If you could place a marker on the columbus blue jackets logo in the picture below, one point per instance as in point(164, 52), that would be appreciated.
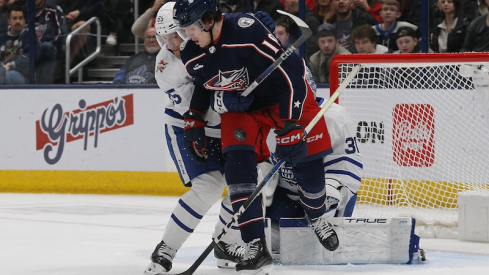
point(245, 22)
point(235, 80)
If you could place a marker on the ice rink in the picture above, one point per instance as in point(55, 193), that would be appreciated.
point(52, 234)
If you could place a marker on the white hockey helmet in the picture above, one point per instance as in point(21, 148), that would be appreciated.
point(164, 23)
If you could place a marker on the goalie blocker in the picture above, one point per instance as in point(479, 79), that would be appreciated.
point(362, 241)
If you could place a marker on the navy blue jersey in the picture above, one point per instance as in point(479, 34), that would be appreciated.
point(49, 23)
point(244, 50)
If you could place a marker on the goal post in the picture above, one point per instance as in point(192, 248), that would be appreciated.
point(422, 126)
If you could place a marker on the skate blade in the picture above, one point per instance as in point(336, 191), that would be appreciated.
point(226, 264)
point(266, 270)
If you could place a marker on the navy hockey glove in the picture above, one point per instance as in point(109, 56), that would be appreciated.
point(266, 20)
point(222, 102)
point(290, 145)
point(194, 135)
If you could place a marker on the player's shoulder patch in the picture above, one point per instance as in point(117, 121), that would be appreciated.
point(184, 43)
point(245, 22)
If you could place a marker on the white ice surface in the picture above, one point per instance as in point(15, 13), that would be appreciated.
point(52, 234)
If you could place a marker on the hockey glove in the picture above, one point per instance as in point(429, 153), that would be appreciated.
point(269, 189)
point(194, 135)
point(290, 145)
point(266, 20)
point(222, 102)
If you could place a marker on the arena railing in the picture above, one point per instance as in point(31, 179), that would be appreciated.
point(79, 67)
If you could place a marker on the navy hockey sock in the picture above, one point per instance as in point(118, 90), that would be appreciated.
point(241, 177)
point(310, 182)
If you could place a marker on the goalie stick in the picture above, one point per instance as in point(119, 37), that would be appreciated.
point(280, 163)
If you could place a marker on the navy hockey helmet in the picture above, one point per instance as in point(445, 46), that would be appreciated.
point(188, 12)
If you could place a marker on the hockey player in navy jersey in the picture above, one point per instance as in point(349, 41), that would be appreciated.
point(226, 53)
point(206, 180)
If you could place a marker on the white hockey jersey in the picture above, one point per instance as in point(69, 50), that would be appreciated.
point(173, 79)
point(344, 164)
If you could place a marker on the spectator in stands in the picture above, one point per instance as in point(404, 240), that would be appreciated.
point(407, 41)
point(449, 35)
point(78, 13)
point(145, 20)
point(329, 47)
point(13, 49)
point(3, 15)
point(477, 38)
point(312, 20)
point(268, 6)
point(49, 26)
point(412, 14)
point(140, 68)
point(346, 19)
point(386, 31)
point(365, 40)
point(324, 9)
point(371, 6)
point(286, 31)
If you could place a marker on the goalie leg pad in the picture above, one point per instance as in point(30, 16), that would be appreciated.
point(362, 241)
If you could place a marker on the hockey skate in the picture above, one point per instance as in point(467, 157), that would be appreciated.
point(325, 233)
point(228, 254)
point(161, 260)
point(257, 258)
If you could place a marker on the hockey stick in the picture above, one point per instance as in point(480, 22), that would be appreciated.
point(270, 174)
point(306, 33)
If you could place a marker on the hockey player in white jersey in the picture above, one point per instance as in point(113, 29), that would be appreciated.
point(205, 178)
point(342, 171)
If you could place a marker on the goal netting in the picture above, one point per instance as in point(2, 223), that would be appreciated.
point(422, 124)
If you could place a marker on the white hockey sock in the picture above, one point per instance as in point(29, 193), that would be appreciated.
point(206, 190)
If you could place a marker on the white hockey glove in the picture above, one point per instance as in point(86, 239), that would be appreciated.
point(269, 189)
point(334, 197)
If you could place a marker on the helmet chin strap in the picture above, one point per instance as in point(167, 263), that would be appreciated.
point(211, 45)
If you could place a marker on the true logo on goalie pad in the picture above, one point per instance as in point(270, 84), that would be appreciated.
point(353, 220)
point(413, 135)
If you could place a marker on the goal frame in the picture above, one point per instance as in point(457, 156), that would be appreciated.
point(416, 60)
point(448, 58)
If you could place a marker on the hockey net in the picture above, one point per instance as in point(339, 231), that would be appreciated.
point(422, 125)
